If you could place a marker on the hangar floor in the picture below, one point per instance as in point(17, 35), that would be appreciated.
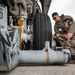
point(68, 69)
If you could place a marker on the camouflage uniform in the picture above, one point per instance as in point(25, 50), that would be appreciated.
point(58, 27)
point(70, 44)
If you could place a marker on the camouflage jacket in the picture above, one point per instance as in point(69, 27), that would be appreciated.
point(72, 30)
point(58, 27)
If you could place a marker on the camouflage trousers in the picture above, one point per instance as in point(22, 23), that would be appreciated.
point(69, 45)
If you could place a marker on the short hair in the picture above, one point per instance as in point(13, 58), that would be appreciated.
point(55, 13)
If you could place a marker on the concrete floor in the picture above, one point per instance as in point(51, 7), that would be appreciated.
point(68, 69)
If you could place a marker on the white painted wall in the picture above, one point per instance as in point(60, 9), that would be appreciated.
point(66, 7)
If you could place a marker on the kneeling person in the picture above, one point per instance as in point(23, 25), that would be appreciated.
point(69, 36)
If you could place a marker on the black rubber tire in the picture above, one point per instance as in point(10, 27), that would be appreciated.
point(42, 31)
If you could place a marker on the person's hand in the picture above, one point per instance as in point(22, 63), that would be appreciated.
point(57, 35)
point(53, 36)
